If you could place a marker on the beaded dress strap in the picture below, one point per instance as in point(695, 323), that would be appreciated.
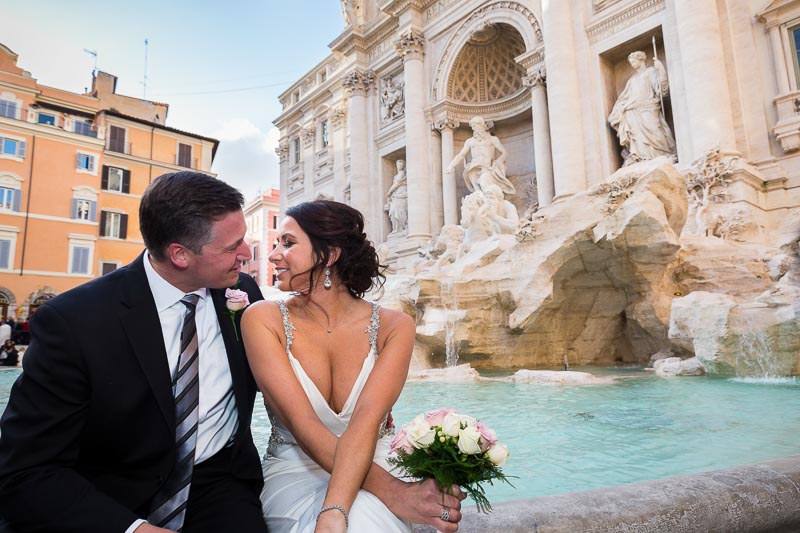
point(372, 329)
point(288, 327)
point(374, 325)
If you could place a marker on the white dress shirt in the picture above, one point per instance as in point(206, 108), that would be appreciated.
point(218, 418)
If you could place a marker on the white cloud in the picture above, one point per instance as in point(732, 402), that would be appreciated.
point(236, 129)
point(246, 157)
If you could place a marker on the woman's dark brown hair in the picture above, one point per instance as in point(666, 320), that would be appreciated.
point(331, 225)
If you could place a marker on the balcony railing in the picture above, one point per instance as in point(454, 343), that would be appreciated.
point(186, 162)
point(46, 117)
point(119, 147)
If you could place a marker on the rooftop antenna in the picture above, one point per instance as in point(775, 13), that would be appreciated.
point(144, 82)
point(92, 53)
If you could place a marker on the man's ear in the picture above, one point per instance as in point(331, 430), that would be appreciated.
point(178, 255)
point(334, 256)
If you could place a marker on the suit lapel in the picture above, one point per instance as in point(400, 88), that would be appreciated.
point(233, 346)
point(143, 329)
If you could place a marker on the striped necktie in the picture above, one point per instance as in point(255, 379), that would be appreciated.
point(169, 504)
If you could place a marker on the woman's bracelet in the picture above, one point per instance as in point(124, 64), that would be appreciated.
point(338, 508)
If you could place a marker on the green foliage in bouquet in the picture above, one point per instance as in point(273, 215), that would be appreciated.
point(436, 453)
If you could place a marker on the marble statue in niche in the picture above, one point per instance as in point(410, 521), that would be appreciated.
point(638, 114)
point(397, 200)
point(487, 164)
point(393, 102)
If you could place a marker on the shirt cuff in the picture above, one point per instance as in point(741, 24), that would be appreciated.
point(136, 524)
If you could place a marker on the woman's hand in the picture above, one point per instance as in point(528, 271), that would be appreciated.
point(423, 503)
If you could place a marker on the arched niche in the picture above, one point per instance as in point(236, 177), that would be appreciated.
point(510, 21)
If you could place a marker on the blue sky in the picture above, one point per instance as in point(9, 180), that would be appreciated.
point(219, 65)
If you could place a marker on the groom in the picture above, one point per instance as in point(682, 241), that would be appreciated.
point(109, 426)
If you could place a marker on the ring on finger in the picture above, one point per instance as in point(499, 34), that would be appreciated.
point(445, 514)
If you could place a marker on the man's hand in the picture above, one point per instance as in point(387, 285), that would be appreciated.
point(423, 503)
point(149, 528)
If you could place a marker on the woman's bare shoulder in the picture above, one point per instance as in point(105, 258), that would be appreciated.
point(392, 319)
point(266, 312)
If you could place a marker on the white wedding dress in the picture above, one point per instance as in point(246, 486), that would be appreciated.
point(294, 485)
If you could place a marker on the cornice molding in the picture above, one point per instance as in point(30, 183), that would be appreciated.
point(618, 21)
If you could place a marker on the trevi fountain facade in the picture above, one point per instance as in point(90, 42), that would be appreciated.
point(568, 182)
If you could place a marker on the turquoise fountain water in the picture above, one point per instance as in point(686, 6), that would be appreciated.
point(565, 439)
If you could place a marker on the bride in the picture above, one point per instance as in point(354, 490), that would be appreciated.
point(330, 366)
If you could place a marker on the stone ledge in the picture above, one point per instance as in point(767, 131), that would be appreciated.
point(763, 497)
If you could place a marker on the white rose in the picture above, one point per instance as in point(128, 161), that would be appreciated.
point(419, 433)
point(468, 441)
point(451, 424)
point(498, 454)
point(469, 420)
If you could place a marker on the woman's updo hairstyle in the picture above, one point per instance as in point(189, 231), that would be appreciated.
point(329, 225)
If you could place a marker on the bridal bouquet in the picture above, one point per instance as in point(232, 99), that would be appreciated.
point(452, 449)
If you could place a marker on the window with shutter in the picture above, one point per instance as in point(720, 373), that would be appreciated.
point(113, 178)
point(6, 198)
point(113, 225)
point(80, 260)
point(5, 254)
point(81, 209)
point(12, 147)
point(84, 162)
point(116, 139)
point(8, 108)
point(184, 155)
point(106, 268)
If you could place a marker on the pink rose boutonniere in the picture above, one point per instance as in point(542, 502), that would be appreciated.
point(236, 302)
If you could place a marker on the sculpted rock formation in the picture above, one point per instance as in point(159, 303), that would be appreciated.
point(604, 277)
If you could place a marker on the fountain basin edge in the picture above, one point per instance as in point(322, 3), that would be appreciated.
point(758, 498)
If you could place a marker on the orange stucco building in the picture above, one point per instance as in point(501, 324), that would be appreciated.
point(73, 168)
point(262, 215)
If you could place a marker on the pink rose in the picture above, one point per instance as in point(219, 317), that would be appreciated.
point(488, 436)
point(401, 442)
point(436, 417)
point(237, 300)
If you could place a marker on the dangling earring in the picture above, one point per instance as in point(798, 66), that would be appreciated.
point(327, 282)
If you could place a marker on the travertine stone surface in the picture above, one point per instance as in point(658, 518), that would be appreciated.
point(604, 277)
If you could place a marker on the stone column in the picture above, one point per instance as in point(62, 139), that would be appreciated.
point(434, 156)
point(307, 136)
point(706, 90)
point(779, 60)
point(336, 119)
point(564, 98)
point(410, 48)
point(358, 83)
point(282, 151)
point(449, 190)
point(545, 187)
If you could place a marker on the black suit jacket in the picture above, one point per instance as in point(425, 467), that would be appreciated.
point(88, 435)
